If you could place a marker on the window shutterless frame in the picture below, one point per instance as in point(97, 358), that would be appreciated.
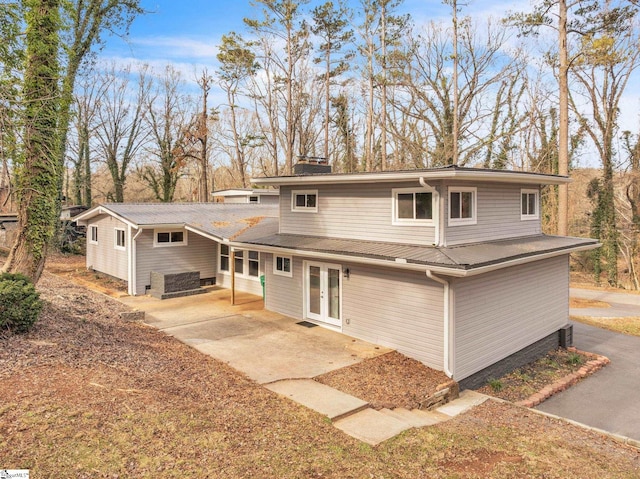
point(164, 238)
point(414, 206)
point(119, 240)
point(463, 201)
point(93, 234)
point(304, 201)
point(283, 266)
point(529, 204)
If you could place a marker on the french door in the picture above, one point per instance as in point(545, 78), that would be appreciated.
point(323, 292)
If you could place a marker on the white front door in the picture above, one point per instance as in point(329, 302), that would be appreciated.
point(323, 292)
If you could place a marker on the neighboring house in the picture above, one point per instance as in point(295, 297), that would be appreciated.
point(448, 266)
point(247, 195)
point(129, 241)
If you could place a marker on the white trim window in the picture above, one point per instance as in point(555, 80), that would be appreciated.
point(529, 204)
point(253, 264)
point(164, 238)
point(93, 234)
point(120, 241)
point(413, 206)
point(463, 205)
point(304, 200)
point(282, 266)
point(225, 254)
point(254, 199)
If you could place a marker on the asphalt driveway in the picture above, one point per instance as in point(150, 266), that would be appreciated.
point(610, 399)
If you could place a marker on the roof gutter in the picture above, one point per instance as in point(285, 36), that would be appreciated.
point(447, 322)
point(439, 232)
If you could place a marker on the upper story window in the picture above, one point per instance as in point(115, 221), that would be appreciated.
point(462, 206)
point(282, 266)
point(120, 239)
point(529, 204)
point(413, 206)
point(304, 200)
point(93, 234)
point(169, 238)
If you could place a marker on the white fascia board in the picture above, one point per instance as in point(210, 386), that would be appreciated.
point(466, 175)
point(103, 210)
point(529, 259)
point(400, 264)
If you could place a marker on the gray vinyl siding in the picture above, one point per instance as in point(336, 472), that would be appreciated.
point(397, 309)
point(104, 257)
point(498, 214)
point(284, 295)
point(262, 200)
point(359, 211)
point(499, 313)
point(199, 254)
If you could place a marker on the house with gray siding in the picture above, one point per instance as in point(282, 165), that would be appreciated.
point(262, 196)
point(448, 266)
point(130, 241)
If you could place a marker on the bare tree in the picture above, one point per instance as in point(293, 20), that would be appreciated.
point(120, 128)
point(168, 122)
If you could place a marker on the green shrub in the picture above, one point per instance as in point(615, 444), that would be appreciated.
point(574, 359)
point(20, 303)
point(496, 385)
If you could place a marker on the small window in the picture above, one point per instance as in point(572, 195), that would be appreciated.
point(462, 206)
point(254, 199)
point(304, 201)
point(170, 238)
point(239, 261)
point(93, 234)
point(529, 205)
point(282, 266)
point(120, 239)
point(254, 264)
point(413, 206)
point(224, 257)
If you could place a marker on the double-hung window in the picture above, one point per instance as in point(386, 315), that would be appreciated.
point(529, 209)
point(224, 257)
point(304, 200)
point(462, 206)
point(93, 234)
point(120, 239)
point(246, 263)
point(413, 206)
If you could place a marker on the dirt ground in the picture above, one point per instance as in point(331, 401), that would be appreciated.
point(86, 395)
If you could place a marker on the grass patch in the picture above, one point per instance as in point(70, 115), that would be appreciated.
point(531, 378)
point(629, 326)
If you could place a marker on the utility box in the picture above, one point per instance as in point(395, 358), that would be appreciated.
point(566, 336)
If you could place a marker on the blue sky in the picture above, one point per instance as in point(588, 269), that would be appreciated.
point(187, 32)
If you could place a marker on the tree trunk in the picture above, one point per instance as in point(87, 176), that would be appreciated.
point(39, 173)
point(563, 127)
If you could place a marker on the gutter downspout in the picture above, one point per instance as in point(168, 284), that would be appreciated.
point(438, 240)
point(447, 321)
point(133, 261)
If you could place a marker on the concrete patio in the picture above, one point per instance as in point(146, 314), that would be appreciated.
point(284, 355)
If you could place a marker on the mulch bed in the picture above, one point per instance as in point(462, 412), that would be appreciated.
point(388, 381)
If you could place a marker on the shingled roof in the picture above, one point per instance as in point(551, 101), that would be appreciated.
point(217, 220)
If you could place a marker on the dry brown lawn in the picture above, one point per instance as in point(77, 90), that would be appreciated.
point(86, 395)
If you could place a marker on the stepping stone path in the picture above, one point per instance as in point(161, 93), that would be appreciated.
point(354, 417)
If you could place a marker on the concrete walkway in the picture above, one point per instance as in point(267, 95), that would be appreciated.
point(609, 400)
point(284, 355)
